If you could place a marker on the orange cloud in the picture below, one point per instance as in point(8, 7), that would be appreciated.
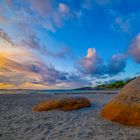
point(6, 86)
point(28, 85)
point(21, 68)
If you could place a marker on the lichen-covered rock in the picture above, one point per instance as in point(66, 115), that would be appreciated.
point(125, 107)
point(65, 104)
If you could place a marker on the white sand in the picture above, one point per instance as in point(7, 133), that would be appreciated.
point(18, 122)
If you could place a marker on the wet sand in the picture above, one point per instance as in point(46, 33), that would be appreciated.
point(18, 122)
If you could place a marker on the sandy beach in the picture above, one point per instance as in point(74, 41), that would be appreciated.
point(19, 122)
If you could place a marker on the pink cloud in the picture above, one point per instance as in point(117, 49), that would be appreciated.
point(63, 8)
point(134, 49)
point(52, 12)
point(44, 8)
point(91, 63)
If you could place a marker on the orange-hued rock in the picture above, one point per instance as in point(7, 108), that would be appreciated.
point(125, 107)
point(65, 104)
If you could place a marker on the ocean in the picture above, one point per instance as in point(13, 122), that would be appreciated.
point(22, 91)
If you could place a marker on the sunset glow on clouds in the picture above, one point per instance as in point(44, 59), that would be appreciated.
point(43, 43)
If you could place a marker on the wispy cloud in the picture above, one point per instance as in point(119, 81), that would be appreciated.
point(53, 13)
point(124, 20)
point(33, 42)
point(20, 73)
point(36, 33)
point(50, 14)
point(31, 71)
point(5, 37)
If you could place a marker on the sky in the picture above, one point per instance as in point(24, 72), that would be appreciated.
point(66, 44)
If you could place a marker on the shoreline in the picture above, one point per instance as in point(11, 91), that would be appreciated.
point(94, 92)
point(22, 92)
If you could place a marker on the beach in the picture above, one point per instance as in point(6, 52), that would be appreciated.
point(19, 122)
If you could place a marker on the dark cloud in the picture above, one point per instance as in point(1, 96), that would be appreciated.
point(117, 64)
point(4, 36)
point(53, 76)
point(37, 73)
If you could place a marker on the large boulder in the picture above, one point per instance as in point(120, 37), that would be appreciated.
point(65, 104)
point(125, 107)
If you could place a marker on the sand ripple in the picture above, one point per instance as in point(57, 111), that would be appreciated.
point(18, 122)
